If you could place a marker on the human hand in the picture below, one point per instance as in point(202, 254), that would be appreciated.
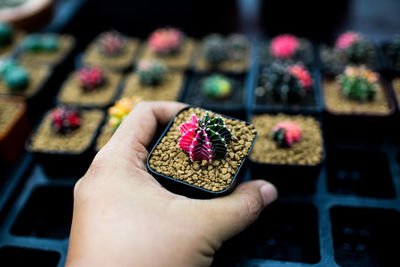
point(124, 217)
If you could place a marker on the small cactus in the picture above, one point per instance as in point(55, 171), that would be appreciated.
point(91, 78)
point(41, 43)
point(65, 120)
point(121, 109)
point(151, 72)
point(111, 43)
point(15, 77)
point(358, 83)
point(355, 48)
point(166, 41)
point(393, 52)
point(217, 87)
point(6, 34)
point(215, 49)
point(284, 46)
point(285, 82)
point(205, 139)
point(286, 133)
point(237, 45)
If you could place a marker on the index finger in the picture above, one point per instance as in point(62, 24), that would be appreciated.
point(139, 127)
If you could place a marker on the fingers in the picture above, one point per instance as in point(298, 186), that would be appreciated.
point(141, 124)
point(231, 214)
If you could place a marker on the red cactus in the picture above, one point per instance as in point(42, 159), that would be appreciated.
point(286, 133)
point(302, 74)
point(90, 78)
point(166, 41)
point(346, 39)
point(65, 120)
point(284, 46)
point(111, 43)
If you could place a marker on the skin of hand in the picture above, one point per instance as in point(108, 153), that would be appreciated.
point(123, 217)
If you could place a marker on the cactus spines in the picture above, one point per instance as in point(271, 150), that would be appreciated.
point(166, 41)
point(91, 78)
point(120, 110)
point(217, 87)
point(6, 34)
point(15, 77)
point(111, 43)
point(205, 139)
point(65, 120)
point(284, 46)
point(215, 50)
point(151, 72)
point(286, 133)
point(41, 43)
point(358, 83)
point(393, 52)
point(285, 82)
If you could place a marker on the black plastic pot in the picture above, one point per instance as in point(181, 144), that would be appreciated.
point(183, 188)
point(64, 164)
point(289, 178)
point(309, 104)
point(366, 127)
point(233, 106)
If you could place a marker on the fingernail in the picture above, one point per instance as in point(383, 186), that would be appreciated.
point(269, 193)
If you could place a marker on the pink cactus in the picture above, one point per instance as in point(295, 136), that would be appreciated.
point(286, 133)
point(284, 46)
point(90, 78)
point(166, 41)
point(346, 39)
point(111, 43)
point(302, 74)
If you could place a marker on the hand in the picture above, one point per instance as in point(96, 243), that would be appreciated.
point(124, 217)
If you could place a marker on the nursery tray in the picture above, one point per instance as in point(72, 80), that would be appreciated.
point(385, 67)
point(181, 187)
point(315, 105)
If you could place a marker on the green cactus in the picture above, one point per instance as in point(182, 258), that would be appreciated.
point(15, 77)
point(360, 52)
point(217, 87)
point(6, 34)
point(41, 43)
point(393, 52)
point(151, 72)
point(215, 49)
point(358, 83)
point(237, 45)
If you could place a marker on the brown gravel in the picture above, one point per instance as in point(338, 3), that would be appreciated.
point(46, 140)
point(105, 135)
point(168, 90)
point(38, 75)
point(180, 60)
point(308, 151)
point(16, 40)
point(94, 57)
point(336, 103)
point(229, 65)
point(67, 42)
point(72, 94)
point(396, 88)
point(168, 159)
point(9, 112)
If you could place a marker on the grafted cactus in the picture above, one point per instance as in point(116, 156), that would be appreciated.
point(215, 49)
point(91, 78)
point(205, 139)
point(285, 82)
point(166, 41)
point(111, 43)
point(286, 133)
point(354, 47)
point(358, 83)
point(65, 120)
point(120, 110)
point(284, 46)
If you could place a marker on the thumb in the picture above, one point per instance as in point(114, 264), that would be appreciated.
point(233, 213)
